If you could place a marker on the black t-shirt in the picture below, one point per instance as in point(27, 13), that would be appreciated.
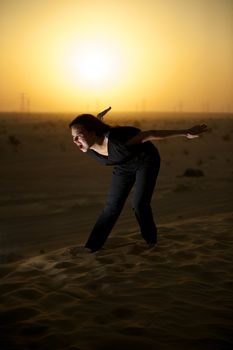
point(122, 154)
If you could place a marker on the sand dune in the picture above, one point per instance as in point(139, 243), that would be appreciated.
point(175, 296)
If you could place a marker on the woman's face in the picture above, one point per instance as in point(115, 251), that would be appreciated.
point(82, 138)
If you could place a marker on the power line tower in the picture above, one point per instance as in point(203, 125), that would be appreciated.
point(205, 107)
point(28, 105)
point(22, 102)
point(143, 105)
point(180, 106)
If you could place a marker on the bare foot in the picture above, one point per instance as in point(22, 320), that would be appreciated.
point(78, 250)
point(152, 245)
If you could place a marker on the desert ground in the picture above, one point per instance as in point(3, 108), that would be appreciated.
point(175, 296)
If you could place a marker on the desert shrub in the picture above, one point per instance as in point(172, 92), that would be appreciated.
point(193, 172)
point(186, 152)
point(62, 147)
point(13, 140)
point(226, 137)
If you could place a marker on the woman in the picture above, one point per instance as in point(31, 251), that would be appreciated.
point(136, 162)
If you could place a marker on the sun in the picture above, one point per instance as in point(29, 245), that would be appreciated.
point(95, 65)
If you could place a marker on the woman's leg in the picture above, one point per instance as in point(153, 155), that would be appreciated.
point(118, 192)
point(144, 187)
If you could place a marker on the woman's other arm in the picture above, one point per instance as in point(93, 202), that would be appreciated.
point(102, 114)
point(151, 135)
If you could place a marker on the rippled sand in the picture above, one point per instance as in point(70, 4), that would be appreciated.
point(175, 296)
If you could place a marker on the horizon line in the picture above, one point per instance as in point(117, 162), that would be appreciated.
point(118, 111)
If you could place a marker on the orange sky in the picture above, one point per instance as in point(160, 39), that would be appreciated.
point(80, 55)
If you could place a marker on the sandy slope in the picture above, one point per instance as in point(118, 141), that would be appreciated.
point(176, 296)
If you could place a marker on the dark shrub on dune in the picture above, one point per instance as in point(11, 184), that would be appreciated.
point(193, 172)
point(226, 137)
point(13, 140)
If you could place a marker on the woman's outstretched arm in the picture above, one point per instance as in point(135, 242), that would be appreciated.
point(151, 135)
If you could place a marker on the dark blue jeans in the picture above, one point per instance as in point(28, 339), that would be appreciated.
point(144, 179)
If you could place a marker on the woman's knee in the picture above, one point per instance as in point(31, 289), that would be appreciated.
point(141, 206)
point(112, 208)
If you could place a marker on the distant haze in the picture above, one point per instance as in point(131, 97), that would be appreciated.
point(78, 55)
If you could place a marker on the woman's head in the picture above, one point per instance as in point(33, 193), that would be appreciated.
point(87, 130)
point(90, 124)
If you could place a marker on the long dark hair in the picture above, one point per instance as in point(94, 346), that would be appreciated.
point(91, 123)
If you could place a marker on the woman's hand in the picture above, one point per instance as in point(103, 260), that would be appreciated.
point(195, 131)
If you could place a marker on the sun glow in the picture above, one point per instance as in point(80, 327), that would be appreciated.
point(94, 65)
point(134, 55)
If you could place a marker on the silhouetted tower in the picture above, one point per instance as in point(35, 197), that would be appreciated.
point(180, 108)
point(228, 108)
point(143, 105)
point(28, 104)
point(22, 103)
point(205, 107)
